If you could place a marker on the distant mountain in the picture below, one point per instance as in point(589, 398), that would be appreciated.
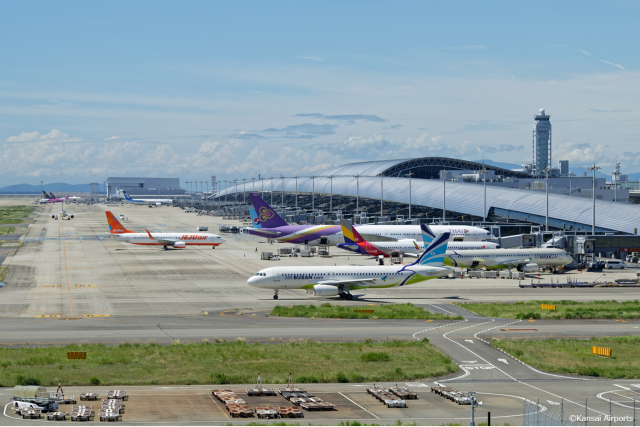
point(59, 189)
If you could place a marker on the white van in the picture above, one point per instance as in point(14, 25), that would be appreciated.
point(614, 263)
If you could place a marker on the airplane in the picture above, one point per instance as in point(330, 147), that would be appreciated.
point(150, 202)
point(526, 260)
point(274, 227)
point(254, 218)
point(327, 281)
point(45, 197)
point(174, 240)
point(58, 200)
point(354, 242)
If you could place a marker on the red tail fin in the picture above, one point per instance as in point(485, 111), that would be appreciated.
point(356, 236)
point(114, 225)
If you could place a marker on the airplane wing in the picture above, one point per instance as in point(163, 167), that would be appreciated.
point(509, 262)
point(269, 232)
point(347, 282)
point(164, 241)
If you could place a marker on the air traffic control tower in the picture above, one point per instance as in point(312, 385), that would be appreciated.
point(541, 143)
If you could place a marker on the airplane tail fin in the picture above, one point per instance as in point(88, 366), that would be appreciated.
point(114, 225)
point(267, 216)
point(427, 234)
point(52, 196)
point(254, 218)
point(435, 253)
point(45, 195)
point(126, 196)
point(347, 231)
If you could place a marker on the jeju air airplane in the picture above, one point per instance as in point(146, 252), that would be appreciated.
point(274, 227)
point(174, 240)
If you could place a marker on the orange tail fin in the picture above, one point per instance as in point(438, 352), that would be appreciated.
point(114, 225)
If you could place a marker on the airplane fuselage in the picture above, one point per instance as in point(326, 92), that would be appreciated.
point(410, 246)
point(504, 257)
point(194, 239)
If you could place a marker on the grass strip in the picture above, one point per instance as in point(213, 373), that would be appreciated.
point(572, 356)
point(392, 311)
point(564, 309)
point(7, 230)
point(226, 363)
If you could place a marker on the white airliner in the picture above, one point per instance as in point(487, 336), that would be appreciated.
point(174, 240)
point(354, 242)
point(527, 260)
point(333, 280)
point(150, 202)
point(401, 232)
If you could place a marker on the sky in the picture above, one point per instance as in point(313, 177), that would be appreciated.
point(192, 89)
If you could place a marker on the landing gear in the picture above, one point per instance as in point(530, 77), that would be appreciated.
point(213, 247)
point(275, 294)
point(345, 295)
point(165, 247)
point(349, 297)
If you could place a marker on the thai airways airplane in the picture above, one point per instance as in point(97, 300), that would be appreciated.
point(354, 242)
point(175, 240)
point(274, 227)
point(150, 202)
point(327, 281)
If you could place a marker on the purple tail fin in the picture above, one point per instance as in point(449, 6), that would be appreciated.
point(267, 216)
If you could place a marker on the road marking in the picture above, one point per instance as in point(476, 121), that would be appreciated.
point(359, 406)
point(503, 361)
point(66, 268)
point(469, 341)
point(51, 286)
point(621, 386)
point(84, 286)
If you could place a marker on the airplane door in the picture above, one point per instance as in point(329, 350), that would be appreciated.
point(276, 275)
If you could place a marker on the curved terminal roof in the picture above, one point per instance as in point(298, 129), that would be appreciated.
point(423, 167)
point(464, 198)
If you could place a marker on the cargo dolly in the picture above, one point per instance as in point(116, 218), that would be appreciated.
point(266, 412)
point(384, 395)
point(453, 395)
point(57, 416)
point(67, 400)
point(89, 396)
point(290, 412)
point(113, 405)
point(31, 413)
point(109, 415)
point(82, 413)
point(117, 394)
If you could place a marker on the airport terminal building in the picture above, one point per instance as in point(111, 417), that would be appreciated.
point(139, 187)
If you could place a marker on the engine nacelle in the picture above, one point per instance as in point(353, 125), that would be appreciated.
point(72, 216)
point(325, 291)
point(529, 268)
point(53, 216)
point(179, 245)
point(158, 204)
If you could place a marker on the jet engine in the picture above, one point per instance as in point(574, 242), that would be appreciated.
point(71, 216)
point(325, 291)
point(53, 216)
point(529, 268)
point(179, 245)
point(158, 204)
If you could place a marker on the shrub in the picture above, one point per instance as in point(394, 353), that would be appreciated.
point(341, 377)
point(94, 381)
point(24, 380)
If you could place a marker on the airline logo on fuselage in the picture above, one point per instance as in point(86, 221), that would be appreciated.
point(193, 237)
point(265, 213)
point(459, 231)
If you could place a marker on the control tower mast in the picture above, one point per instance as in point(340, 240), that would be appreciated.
point(541, 142)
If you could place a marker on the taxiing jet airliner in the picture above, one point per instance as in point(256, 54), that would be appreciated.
point(333, 280)
point(175, 240)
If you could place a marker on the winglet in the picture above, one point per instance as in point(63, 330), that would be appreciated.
point(150, 236)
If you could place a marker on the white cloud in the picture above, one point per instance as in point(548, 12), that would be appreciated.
point(613, 64)
point(24, 137)
point(112, 138)
point(586, 53)
point(58, 136)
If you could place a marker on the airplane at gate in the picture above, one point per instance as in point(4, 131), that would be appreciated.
point(174, 240)
point(339, 281)
point(150, 202)
point(274, 227)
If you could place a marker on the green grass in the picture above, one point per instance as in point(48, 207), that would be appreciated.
point(572, 356)
point(226, 363)
point(564, 310)
point(6, 230)
point(393, 311)
point(14, 214)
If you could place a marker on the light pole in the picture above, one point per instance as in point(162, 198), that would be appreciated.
point(296, 194)
point(244, 188)
point(313, 192)
point(282, 191)
point(331, 194)
point(235, 190)
point(594, 168)
point(169, 189)
point(159, 184)
point(484, 181)
point(381, 192)
point(357, 193)
point(253, 184)
point(271, 179)
point(41, 192)
point(546, 221)
point(410, 174)
point(444, 195)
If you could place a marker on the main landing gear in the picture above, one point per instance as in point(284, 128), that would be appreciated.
point(275, 294)
point(346, 295)
point(165, 247)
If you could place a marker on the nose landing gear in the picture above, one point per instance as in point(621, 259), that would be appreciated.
point(275, 294)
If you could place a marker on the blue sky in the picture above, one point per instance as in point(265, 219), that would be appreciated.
point(237, 89)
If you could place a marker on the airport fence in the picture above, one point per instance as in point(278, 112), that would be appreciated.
point(534, 414)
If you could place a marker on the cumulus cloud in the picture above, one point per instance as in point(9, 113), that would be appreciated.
point(24, 137)
point(112, 138)
point(612, 64)
point(58, 136)
point(500, 148)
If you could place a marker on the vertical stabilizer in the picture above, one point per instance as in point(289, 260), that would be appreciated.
point(435, 253)
point(427, 234)
point(254, 218)
point(266, 215)
point(114, 225)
